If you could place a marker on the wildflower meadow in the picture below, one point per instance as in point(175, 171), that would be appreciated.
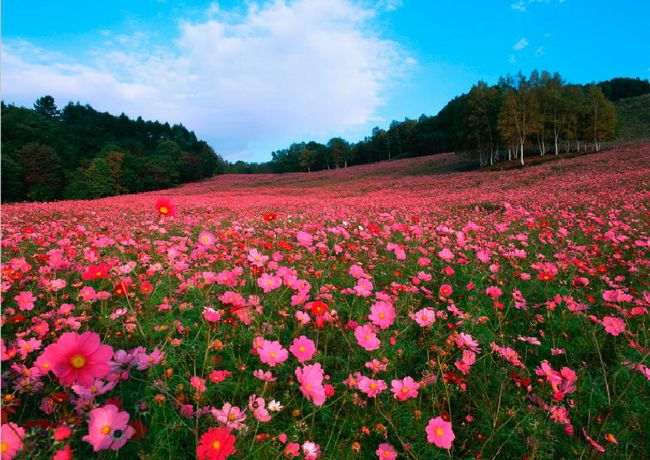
point(378, 312)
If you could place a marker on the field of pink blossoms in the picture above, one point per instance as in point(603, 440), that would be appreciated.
point(384, 311)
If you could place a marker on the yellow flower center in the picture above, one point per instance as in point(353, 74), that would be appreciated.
point(301, 348)
point(439, 432)
point(373, 386)
point(367, 337)
point(308, 387)
point(272, 355)
point(78, 361)
point(4, 446)
point(163, 210)
point(105, 430)
point(381, 316)
point(405, 390)
point(216, 445)
point(232, 417)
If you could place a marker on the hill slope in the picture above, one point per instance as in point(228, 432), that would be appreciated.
point(634, 117)
point(412, 185)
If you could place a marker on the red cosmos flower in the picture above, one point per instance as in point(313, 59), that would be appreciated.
point(121, 289)
point(270, 217)
point(284, 245)
point(165, 207)
point(146, 287)
point(216, 444)
point(318, 308)
point(94, 272)
point(545, 276)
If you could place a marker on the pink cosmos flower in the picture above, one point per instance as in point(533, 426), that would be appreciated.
point(370, 386)
point(425, 317)
point(464, 364)
point(613, 325)
point(257, 406)
point(211, 315)
point(25, 300)
point(303, 348)
point(272, 353)
point(494, 292)
point(439, 432)
point(446, 255)
point(376, 366)
point(232, 416)
point(11, 440)
point(311, 450)
point(310, 378)
point(466, 341)
point(382, 314)
point(405, 388)
point(25, 347)
point(108, 428)
point(366, 338)
point(364, 287)
point(256, 258)
point(292, 449)
point(386, 452)
point(305, 238)
point(88, 294)
point(145, 361)
point(357, 271)
point(207, 239)
point(78, 358)
point(198, 383)
point(268, 283)
point(265, 376)
point(530, 340)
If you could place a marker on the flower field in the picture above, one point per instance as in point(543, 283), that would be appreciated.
point(384, 311)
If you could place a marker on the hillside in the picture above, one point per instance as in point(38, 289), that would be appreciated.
point(408, 185)
point(633, 117)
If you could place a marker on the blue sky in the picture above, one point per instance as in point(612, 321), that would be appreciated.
point(251, 77)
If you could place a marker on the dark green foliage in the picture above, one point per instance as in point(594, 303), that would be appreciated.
point(620, 88)
point(80, 153)
point(634, 117)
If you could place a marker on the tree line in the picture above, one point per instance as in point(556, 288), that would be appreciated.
point(80, 153)
point(520, 115)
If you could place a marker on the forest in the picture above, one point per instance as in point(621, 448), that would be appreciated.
point(80, 153)
point(522, 115)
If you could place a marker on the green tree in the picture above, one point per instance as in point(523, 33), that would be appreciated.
point(99, 178)
point(42, 172)
point(340, 151)
point(601, 115)
point(307, 159)
point(45, 106)
point(12, 179)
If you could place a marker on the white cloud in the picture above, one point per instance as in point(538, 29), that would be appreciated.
point(518, 6)
point(512, 59)
point(389, 5)
point(521, 5)
point(540, 51)
point(520, 45)
point(245, 82)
